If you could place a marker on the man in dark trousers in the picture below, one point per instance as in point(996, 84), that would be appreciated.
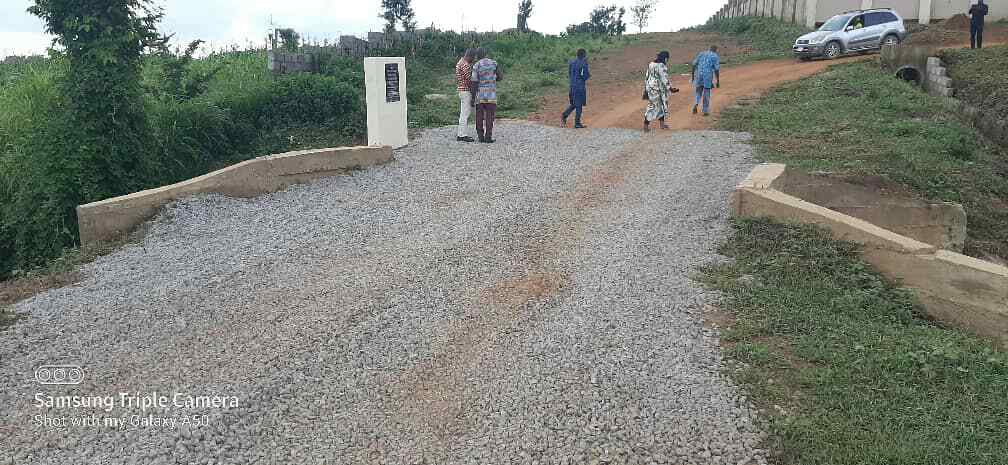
point(578, 71)
point(978, 12)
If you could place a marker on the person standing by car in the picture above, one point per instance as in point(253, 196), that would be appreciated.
point(579, 75)
point(977, 12)
point(463, 74)
point(706, 76)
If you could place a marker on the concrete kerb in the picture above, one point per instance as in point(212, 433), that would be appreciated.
point(112, 219)
point(955, 289)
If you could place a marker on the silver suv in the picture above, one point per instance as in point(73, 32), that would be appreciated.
point(854, 31)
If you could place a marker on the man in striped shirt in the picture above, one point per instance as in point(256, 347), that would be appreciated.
point(463, 75)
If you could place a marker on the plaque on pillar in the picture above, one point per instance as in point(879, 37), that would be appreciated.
point(385, 89)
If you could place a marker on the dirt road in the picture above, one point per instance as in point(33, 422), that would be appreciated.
point(614, 93)
point(528, 301)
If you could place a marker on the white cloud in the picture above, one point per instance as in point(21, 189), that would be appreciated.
point(226, 22)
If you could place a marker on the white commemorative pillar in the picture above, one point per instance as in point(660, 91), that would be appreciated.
point(385, 83)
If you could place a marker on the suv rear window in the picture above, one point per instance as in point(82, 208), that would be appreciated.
point(879, 17)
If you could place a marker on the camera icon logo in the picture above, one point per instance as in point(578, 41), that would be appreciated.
point(59, 374)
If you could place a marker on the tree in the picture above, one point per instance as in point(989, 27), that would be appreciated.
point(398, 11)
point(524, 12)
point(618, 26)
point(103, 43)
point(604, 20)
point(601, 19)
point(98, 144)
point(642, 13)
point(290, 40)
point(583, 28)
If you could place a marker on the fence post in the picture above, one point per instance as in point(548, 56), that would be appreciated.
point(924, 12)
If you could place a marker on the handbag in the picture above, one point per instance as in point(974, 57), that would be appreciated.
point(644, 96)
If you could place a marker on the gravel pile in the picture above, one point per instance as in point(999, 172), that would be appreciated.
point(523, 302)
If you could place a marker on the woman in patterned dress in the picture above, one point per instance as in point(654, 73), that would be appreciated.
point(657, 89)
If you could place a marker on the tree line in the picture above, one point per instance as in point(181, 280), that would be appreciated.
point(603, 20)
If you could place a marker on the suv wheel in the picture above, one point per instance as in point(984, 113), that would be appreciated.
point(832, 50)
point(890, 39)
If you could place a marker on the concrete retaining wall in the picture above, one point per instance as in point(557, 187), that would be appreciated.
point(936, 79)
point(114, 218)
point(955, 289)
point(989, 123)
point(942, 225)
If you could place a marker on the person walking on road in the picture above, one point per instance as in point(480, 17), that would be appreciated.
point(706, 75)
point(463, 78)
point(577, 69)
point(656, 91)
point(486, 74)
point(977, 12)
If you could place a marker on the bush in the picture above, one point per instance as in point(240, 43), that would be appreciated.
point(980, 77)
point(768, 37)
point(203, 114)
point(200, 115)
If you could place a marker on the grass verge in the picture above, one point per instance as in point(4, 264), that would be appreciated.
point(980, 77)
point(856, 374)
point(59, 272)
point(856, 120)
point(765, 37)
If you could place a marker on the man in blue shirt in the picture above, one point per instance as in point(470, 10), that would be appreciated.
point(706, 75)
point(577, 69)
point(977, 12)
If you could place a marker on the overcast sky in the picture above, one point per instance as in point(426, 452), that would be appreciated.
point(226, 22)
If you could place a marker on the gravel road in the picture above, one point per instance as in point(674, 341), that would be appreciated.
point(517, 303)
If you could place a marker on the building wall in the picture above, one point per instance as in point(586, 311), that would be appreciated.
point(943, 9)
point(829, 8)
point(797, 10)
point(906, 8)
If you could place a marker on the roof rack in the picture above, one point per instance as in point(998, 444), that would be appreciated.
point(867, 10)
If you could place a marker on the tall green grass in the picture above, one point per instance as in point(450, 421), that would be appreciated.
point(768, 37)
point(238, 111)
point(980, 76)
point(244, 112)
point(533, 65)
point(858, 120)
point(858, 374)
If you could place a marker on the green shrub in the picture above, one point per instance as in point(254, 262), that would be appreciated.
point(768, 37)
point(980, 77)
point(203, 114)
